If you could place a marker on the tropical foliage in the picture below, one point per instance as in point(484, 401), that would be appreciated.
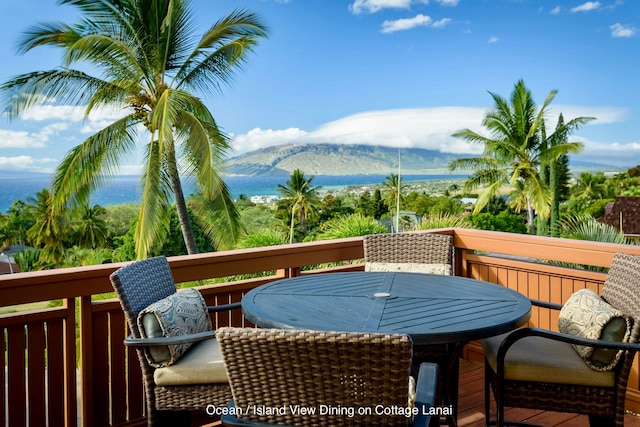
point(515, 150)
point(300, 199)
point(145, 63)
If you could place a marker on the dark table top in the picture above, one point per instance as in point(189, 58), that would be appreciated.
point(432, 309)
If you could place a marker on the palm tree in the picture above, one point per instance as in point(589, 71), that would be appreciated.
point(149, 66)
point(513, 152)
point(50, 227)
point(591, 186)
point(91, 229)
point(301, 198)
point(392, 195)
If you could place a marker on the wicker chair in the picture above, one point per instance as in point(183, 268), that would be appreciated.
point(169, 397)
point(418, 252)
point(345, 378)
point(539, 369)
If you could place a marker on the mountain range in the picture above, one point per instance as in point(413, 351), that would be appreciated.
point(338, 159)
point(360, 159)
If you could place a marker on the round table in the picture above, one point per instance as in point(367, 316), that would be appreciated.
point(432, 309)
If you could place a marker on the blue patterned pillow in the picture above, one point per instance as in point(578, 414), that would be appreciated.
point(178, 314)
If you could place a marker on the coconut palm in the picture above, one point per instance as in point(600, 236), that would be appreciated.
point(50, 227)
point(148, 65)
point(392, 194)
point(513, 152)
point(91, 228)
point(301, 197)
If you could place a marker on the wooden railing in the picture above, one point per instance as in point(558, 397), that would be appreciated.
point(67, 365)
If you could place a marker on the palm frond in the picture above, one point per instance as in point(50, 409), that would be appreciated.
point(155, 196)
point(86, 166)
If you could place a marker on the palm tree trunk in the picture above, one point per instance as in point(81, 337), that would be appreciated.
point(181, 205)
point(555, 202)
point(530, 217)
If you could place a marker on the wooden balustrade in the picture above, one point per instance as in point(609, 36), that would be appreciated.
point(67, 365)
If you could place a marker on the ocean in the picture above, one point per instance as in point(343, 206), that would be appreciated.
point(124, 189)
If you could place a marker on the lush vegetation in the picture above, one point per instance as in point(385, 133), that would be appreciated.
point(96, 234)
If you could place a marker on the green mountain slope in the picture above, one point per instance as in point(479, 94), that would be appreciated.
point(337, 159)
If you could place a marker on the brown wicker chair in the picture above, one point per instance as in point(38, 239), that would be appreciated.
point(335, 374)
point(539, 369)
point(169, 401)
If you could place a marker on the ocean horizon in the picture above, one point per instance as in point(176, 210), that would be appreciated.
point(125, 188)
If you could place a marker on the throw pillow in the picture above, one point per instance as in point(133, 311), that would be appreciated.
point(587, 315)
point(178, 314)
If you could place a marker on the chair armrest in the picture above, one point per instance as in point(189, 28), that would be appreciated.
point(545, 304)
point(426, 387)
point(518, 334)
point(224, 307)
point(149, 342)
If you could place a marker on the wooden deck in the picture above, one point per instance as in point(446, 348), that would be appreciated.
point(471, 405)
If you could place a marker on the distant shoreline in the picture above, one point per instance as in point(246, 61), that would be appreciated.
point(124, 188)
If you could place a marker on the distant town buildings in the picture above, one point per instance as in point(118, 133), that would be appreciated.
point(264, 200)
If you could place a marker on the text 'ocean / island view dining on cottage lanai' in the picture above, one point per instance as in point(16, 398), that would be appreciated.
point(336, 169)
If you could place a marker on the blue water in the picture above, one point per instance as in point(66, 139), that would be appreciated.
point(123, 189)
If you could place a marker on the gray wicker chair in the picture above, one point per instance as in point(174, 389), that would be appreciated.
point(345, 372)
point(524, 369)
point(168, 402)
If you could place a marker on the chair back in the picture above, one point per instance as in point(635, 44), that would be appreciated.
point(622, 285)
point(409, 248)
point(343, 377)
point(140, 284)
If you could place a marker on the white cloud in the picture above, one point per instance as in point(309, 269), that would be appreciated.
point(261, 138)
point(26, 163)
point(603, 115)
point(618, 30)
point(42, 112)
point(448, 2)
point(429, 128)
point(419, 20)
point(587, 7)
point(97, 120)
point(19, 139)
point(556, 10)
point(373, 6)
point(617, 154)
point(493, 39)
point(24, 139)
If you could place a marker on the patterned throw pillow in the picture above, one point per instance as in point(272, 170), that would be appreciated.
point(409, 267)
point(587, 315)
point(178, 314)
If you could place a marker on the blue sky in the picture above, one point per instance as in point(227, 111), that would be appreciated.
point(402, 73)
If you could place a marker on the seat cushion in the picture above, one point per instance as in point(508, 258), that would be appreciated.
point(181, 313)
point(541, 359)
point(586, 315)
point(202, 364)
point(409, 267)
